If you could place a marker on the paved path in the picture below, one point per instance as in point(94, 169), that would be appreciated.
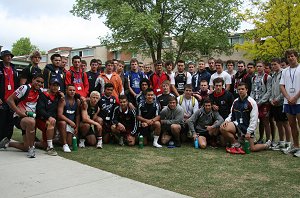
point(55, 177)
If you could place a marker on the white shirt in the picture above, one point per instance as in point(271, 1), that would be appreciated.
point(187, 105)
point(290, 78)
point(172, 78)
point(224, 75)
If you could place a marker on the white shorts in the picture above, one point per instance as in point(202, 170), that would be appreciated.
point(69, 129)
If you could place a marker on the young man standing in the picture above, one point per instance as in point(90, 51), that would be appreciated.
point(144, 85)
point(163, 98)
point(169, 65)
point(220, 74)
point(230, 68)
point(89, 115)
point(276, 100)
point(211, 69)
point(290, 88)
point(192, 68)
point(202, 74)
point(68, 114)
point(64, 64)
point(242, 122)
point(158, 77)
point(124, 122)
point(182, 78)
point(148, 115)
point(32, 69)
point(205, 123)
point(9, 82)
point(78, 77)
point(248, 77)
point(171, 122)
point(237, 78)
point(22, 101)
point(92, 75)
point(202, 93)
point(148, 70)
point(261, 91)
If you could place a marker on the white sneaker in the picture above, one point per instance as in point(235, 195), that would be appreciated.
point(81, 143)
point(99, 144)
point(66, 148)
point(31, 152)
point(155, 144)
point(268, 144)
point(297, 154)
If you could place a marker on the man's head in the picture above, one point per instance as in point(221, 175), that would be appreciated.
point(83, 65)
point(94, 97)
point(54, 85)
point(211, 64)
point(147, 68)
point(268, 68)
point(141, 67)
point(94, 65)
point(149, 95)
point(275, 63)
point(260, 67)
point(172, 102)
point(284, 63)
point(180, 66)
point(201, 65)
point(56, 60)
point(169, 65)
point(251, 68)
point(120, 66)
point(35, 57)
point(242, 89)
point(203, 85)
point(207, 104)
point(144, 84)
point(115, 63)
point(218, 84)
point(108, 89)
point(134, 64)
point(99, 64)
point(70, 90)
point(6, 56)
point(188, 91)
point(192, 67)
point(241, 66)
point(230, 65)
point(219, 66)
point(37, 81)
point(76, 61)
point(64, 62)
point(109, 66)
point(166, 87)
point(123, 102)
point(158, 66)
point(291, 55)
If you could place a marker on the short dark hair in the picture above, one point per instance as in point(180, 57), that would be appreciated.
point(188, 86)
point(108, 85)
point(70, 85)
point(123, 97)
point(283, 60)
point(76, 57)
point(243, 84)
point(108, 62)
point(134, 60)
point(169, 62)
point(289, 52)
point(93, 61)
point(158, 62)
point(251, 64)
point(230, 61)
point(207, 100)
point(83, 61)
point(218, 80)
point(180, 61)
point(148, 90)
point(144, 80)
point(54, 56)
point(242, 62)
point(172, 98)
point(38, 75)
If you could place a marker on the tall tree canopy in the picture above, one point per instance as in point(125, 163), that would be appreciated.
point(23, 46)
point(276, 29)
point(149, 26)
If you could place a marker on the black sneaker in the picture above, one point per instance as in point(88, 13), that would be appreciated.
point(4, 143)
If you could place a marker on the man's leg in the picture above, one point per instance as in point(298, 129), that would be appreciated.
point(98, 132)
point(157, 129)
point(202, 141)
point(229, 132)
point(175, 130)
point(258, 147)
point(266, 123)
point(84, 129)
point(50, 135)
point(294, 129)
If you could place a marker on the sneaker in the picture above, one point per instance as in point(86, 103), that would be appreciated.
point(121, 141)
point(81, 143)
point(4, 143)
point(240, 151)
point(31, 152)
point(287, 150)
point(268, 144)
point(189, 134)
point(156, 145)
point(273, 144)
point(99, 144)
point(260, 141)
point(297, 154)
point(66, 148)
point(51, 151)
point(278, 146)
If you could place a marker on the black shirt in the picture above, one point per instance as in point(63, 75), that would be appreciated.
point(148, 111)
point(29, 72)
point(107, 106)
point(163, 99)
point(92, 79)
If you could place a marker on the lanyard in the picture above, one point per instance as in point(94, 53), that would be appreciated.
point(293, 78)
point(8, 74)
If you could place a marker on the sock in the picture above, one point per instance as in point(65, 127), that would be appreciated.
point(82, 140)
point(155, 139)
point(288, 144)
point(49, 143)
point(99, 138)
point(237, 145)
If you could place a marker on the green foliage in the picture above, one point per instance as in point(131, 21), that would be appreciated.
point(145, 26)
point(276, 28)
point(23, 46)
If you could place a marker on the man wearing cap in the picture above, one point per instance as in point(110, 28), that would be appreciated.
point(9, 82)
point(32, 69)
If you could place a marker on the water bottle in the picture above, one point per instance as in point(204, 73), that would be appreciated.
point(141, 141)
point(30, 114)
point(247, 147)
point(74, 143)
point(196, 143)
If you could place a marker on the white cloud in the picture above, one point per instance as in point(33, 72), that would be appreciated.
point(48, 24)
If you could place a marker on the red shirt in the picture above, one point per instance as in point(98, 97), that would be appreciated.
point(9, 82)
point(80, 82)
point(28, 103)
point(156, 81)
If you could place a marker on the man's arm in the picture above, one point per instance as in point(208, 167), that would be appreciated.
point(11, 101)
point(60, 113)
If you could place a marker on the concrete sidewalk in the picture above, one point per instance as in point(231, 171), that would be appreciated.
point(48, 176)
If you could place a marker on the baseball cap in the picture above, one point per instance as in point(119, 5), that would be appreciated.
point(6, 52)
point(54, 81)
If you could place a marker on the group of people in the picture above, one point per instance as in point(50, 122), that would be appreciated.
point(208, 104)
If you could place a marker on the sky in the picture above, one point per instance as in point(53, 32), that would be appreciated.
point(49, 24)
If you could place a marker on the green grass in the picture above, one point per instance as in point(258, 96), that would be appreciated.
point(198, 173)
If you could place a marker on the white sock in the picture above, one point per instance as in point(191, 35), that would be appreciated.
point(82, 140)
point(155, 139)
point(49, 142)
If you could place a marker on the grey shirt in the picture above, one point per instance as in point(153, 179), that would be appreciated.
point(172, 116)
point(275, 88)
point(261, 90)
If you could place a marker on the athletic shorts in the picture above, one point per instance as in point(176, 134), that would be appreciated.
point(291, 109)
point(264, 110)
point(241, 133)
point(17, 123)
point(106, 128)
point(204, 134)
point(278, 114)
point(41, 125)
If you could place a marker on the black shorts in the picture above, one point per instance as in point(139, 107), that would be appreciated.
point(204, 134)
point(17, 123)
point(278, 114)
point(241, 133)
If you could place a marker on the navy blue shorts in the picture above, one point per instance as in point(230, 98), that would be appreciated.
point(291, 109)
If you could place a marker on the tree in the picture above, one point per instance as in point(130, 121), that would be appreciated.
point(276, 29)
point(23, 46)
point(184, 27)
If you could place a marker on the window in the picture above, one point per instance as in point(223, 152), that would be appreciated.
point(87, 52)
point(117, 55)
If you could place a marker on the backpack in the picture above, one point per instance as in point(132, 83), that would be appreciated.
point(181, 100)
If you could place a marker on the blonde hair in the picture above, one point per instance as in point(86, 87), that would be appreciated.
point(35, 54)
point(95, 93)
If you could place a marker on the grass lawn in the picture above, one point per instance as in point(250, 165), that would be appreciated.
point(198, 173)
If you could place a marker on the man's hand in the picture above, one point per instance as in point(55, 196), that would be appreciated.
point(247, 136)
point(120, 127)
point(209, 128)
point(72, 124)
point(195, 136)
point(215, 107)
point(52, 121)
point(144, 124)
point(1, 102)
point(292, 100)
